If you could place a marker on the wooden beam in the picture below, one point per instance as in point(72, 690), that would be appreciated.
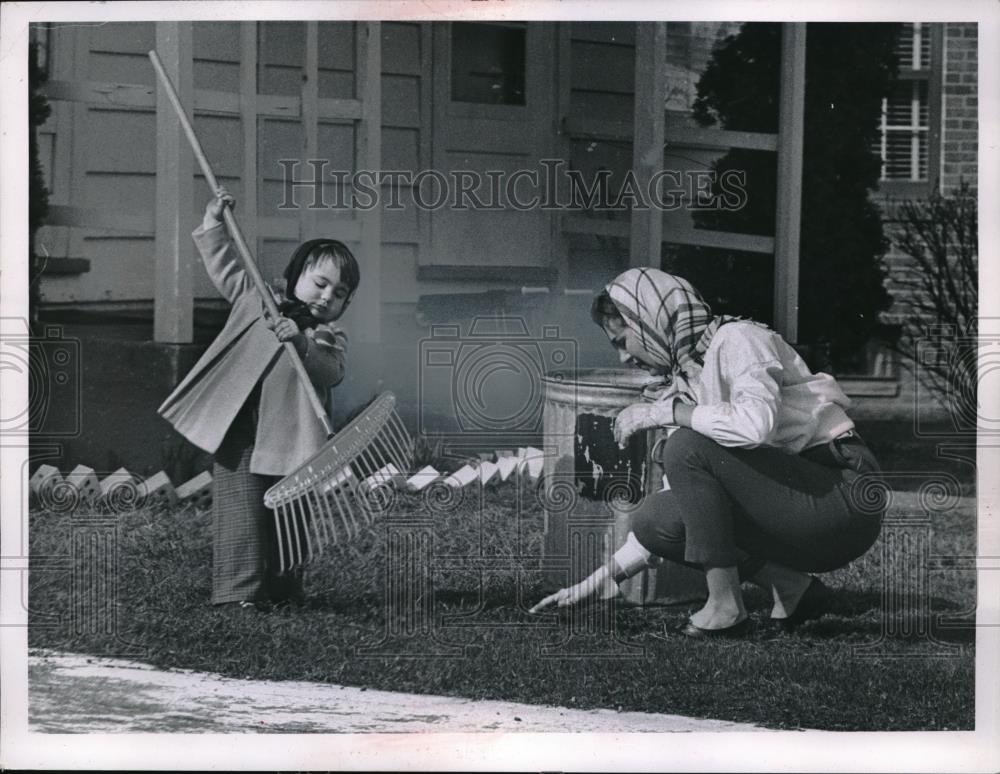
point(368, 156)
point(723, 240)
point(426, 130)
point(564, 74)
point(748, 243)
point(287, 228)
point(79, 135)
point(439, 85)
point(81, 217)
point(788, 221)
point(173, 302)
point(144, 223)
point(587, 128)
point(518, 275)
point(719, 139)
point(339, 109)
point(563, 144)
point(248, 126)
point(66, 266)
point(101, 93)
point(216, 307)
point(609, 34)
point(133, 95)
point(645, 246)
point(579, 127)
point(65, 119)
point(310, 123)
point(585, 224)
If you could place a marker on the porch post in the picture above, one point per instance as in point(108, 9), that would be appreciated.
point(788, 220)
point(645, 244)
point(368, 156)
point(310, 123)
point(248, 126)
point(173, 302)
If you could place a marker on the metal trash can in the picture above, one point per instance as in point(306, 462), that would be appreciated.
point(591, 485)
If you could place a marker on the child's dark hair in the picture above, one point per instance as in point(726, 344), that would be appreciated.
point(315, 250)
point(310, 253)
point(603, 309)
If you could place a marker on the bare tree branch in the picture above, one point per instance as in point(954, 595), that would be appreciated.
point(939, 291)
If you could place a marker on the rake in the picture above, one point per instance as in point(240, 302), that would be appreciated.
point(315, 505)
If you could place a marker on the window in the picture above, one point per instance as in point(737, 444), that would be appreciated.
point(488, 63)
point(909, 133)
point(904, 132)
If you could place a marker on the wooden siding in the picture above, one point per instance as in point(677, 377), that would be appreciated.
point(99, 148)
point(99, 145)
point(597, 116)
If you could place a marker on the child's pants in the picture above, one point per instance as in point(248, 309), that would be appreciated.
point(244, 543)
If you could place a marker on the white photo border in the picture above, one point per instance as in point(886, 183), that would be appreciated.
point(773, 751)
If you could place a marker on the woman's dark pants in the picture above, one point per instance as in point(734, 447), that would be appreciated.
point(742, 507)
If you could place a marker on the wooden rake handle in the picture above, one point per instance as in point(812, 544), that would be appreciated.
point(234, 231)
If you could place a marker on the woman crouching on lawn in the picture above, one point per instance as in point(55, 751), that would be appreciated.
point(760, 471)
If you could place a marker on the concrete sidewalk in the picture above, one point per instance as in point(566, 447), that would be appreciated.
point(71, 693)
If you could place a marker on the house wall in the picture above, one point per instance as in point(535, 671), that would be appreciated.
point(102, 158)
point(958, 161)
point(959, 139)
point(960, 97)
point(601, 87)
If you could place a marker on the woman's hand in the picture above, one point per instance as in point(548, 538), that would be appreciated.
point(215, 206)
point(284, 328)
point(598, 581)
point(642, 416)
point(682, 414)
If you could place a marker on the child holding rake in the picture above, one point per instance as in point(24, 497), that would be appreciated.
point(244, 403)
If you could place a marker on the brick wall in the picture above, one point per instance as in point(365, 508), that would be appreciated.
point(960, 105)
point(959, 133)
point(958, 161)
point(959, 153)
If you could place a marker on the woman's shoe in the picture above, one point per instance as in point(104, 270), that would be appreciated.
point(738, 629)
point(815, 603)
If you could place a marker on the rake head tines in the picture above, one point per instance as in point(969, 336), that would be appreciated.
point(341, 487)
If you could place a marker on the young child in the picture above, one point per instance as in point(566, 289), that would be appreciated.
point(244, 402)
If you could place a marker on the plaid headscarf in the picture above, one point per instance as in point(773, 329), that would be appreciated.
point(674, 324)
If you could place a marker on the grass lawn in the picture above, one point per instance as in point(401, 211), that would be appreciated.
point(838, 673)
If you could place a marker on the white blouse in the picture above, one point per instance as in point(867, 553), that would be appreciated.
point(755, 390)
